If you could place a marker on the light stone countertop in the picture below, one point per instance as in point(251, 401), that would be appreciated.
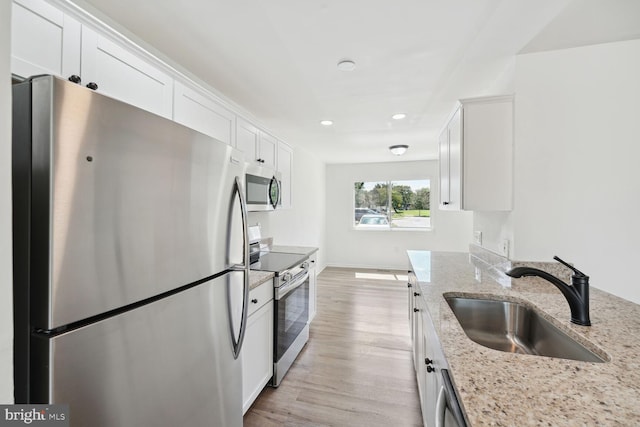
point(504, 389)
point(302, 250)
point(256, 278)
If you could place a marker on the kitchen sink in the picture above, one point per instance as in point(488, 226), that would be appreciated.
point(515, 328)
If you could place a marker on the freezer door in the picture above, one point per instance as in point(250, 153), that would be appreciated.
point(126, 205)
point(169, 363)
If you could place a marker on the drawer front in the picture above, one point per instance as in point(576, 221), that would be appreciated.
point(260, 295)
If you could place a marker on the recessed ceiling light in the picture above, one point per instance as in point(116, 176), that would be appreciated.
point(326, 122)
point(346, 65)
point(399, 116)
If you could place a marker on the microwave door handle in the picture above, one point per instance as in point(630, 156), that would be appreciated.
point(244, 268)
point(274, 203)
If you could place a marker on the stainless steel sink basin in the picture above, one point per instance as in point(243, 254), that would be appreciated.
point(515, 328)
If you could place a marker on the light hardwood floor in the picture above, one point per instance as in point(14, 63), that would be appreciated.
point(356, 369)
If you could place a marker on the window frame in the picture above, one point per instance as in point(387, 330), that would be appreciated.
point(390, 183)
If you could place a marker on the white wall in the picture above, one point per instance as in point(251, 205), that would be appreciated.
point(577, 154)
point(304, 224)
point(6, 313)
point(577, 180)
point(347, 247)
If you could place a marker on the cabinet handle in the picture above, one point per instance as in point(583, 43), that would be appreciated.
point(92, 85)
point(415, 310)
point(75, 79)
point(445, 203)
point(255, 300)
point(409, 285)
point(427, 361)
point(415, 294)
point(430, 369)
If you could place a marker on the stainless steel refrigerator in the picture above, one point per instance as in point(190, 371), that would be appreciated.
point(130, 262)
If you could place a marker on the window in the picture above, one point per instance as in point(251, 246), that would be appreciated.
point(387, 205)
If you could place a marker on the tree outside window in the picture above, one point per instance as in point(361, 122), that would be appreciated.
point(392, 204)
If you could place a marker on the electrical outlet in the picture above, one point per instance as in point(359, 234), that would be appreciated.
point(505, 247)
point(477, 237)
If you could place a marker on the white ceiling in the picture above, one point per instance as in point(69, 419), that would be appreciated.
point(277, 58)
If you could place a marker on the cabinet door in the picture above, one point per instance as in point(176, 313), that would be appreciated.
point(285, 166)
point(43, 40)
point(268, 149)
point(418, 346)
point(450, 144)
point(247, 140)
point(124, 76)
point(444, 169)
point(432, 352)
point(194, 110)
point(257, 354)
point(488, 152)
point(455, 162)
point(313, 290)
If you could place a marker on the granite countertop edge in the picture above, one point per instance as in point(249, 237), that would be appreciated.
point(302, 250)
point(256, 278)
point(497, 388)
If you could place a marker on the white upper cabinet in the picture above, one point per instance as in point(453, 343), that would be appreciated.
point(46, 40)
point(193, 109)
point(124, 76)
point(476, 156)
point(247, 140)
point(267, 150)
point(43, 40)
point(259, 147)
point(285, 167)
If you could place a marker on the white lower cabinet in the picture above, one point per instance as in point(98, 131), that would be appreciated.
point(313, 284)
point(428, 357)
point(257, 349)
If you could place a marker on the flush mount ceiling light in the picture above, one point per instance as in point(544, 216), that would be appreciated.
point(346, 65)
point(398, 150)
point(326, 122)
point(399, 116)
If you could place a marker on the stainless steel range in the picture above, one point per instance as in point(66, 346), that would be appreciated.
point(291, 328)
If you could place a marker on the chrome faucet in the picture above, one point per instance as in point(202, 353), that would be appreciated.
point(577, 294)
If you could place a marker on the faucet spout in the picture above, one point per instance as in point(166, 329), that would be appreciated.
point(576, 294)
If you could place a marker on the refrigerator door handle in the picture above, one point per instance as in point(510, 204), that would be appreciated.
point(244, 267)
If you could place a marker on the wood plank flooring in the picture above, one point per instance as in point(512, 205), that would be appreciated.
point(356, 369)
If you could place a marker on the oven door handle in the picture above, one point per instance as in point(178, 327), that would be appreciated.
point(282, 291)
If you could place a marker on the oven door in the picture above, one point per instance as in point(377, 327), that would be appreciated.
point(291, 328)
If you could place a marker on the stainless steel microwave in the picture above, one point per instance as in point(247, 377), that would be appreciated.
point(262, 186)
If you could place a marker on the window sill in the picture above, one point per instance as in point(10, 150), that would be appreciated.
point(393, 230)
